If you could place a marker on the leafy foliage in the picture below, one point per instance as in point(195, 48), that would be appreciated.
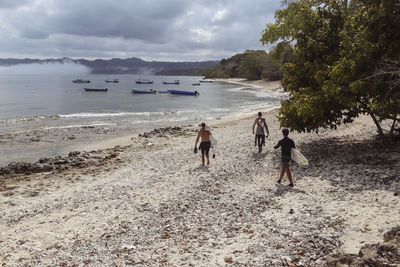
point(338, 46)
point(252, 65)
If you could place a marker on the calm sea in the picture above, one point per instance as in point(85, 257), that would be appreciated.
point(35, 101)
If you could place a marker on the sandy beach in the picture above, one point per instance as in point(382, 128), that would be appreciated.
point(144, 199)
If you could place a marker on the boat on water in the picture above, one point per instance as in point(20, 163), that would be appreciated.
point(96, 89)
point(195, 84)
point(181, 92)
point(206, 81)
point(163, 92)
point(137, 91)
point(80, 81)
point(140, 81)
point(112, 81)
point(174, 82)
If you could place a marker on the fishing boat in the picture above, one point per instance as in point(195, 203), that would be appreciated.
point(112, 81)
point(96, 89)
point(206, 81)
point(175, 82)
point(80, 81)
point(140, 81)
point(136, 91)
point(181, 92)
point(195, 84)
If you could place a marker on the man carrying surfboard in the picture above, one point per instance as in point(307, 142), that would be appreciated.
point(286, 145)
point(205, 143)
point(260, 134)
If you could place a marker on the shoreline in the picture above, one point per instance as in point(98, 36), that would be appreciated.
point(154, 204)
point(34, 144)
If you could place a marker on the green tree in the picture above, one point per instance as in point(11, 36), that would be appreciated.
point(338, 47)
point(253, 64)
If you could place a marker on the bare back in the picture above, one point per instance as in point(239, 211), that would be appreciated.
point(205, 135)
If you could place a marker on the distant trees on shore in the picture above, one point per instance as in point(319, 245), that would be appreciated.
point(346, 62)
point(251, 65)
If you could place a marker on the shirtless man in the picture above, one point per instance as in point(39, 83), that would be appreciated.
point(260, 134)
point(205, 143)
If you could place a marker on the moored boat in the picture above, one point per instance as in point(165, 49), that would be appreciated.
point(206, 81)
point(181, 92)
point(195, 84)
point(96, 89)
point(80, 81)
point(174, 82)
point(137, 91)
point(140, 81)
point(112, 81)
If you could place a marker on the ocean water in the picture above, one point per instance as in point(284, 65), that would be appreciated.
point(54, 101)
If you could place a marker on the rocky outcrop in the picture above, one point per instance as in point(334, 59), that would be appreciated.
point(167, 132)
point(378, 255)
point(74, 159)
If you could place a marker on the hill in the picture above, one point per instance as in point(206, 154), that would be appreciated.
point(252, 65)
point(123, 66)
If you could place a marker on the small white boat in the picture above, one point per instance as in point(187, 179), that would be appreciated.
point(140, 81)
point(175, 82)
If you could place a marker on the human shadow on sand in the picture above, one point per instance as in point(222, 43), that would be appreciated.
point(201, 169)
point(283, 189)
point(258, 156)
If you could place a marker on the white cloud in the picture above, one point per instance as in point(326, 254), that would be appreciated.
point(219, 15)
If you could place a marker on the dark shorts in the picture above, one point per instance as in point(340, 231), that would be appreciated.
point(260, 140)
point(205, 147)
point(285, 161)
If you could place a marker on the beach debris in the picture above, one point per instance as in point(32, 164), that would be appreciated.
point(168, 131)
point(228, 260)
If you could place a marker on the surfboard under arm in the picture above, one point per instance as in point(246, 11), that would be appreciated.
point(213, 141)
point(298, 157)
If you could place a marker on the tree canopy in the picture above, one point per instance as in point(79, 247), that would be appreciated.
point(251, 65)
point(339, 70)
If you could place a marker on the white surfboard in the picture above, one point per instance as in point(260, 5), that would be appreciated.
point(213, 141)
point(298, 157)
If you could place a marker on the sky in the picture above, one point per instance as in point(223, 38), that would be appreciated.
point(162, 30)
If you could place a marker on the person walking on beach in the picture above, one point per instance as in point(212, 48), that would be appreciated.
point(205, 143)
point(286, 145)
point(260, 134)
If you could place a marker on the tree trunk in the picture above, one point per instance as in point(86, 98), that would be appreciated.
point(378, 125)
point(393, 124)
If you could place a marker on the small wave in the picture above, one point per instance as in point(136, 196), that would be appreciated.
point(118, 114)
point(31, 118)
point(80, 126)
point(259, 93)
point(241, 89)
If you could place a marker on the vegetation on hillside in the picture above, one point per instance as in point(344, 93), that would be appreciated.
point(345, 62)
point(252, 65)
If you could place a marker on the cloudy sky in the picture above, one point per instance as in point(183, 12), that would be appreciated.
point(172, 30)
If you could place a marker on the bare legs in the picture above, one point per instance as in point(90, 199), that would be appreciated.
point(202, 158)
point(289, 175)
